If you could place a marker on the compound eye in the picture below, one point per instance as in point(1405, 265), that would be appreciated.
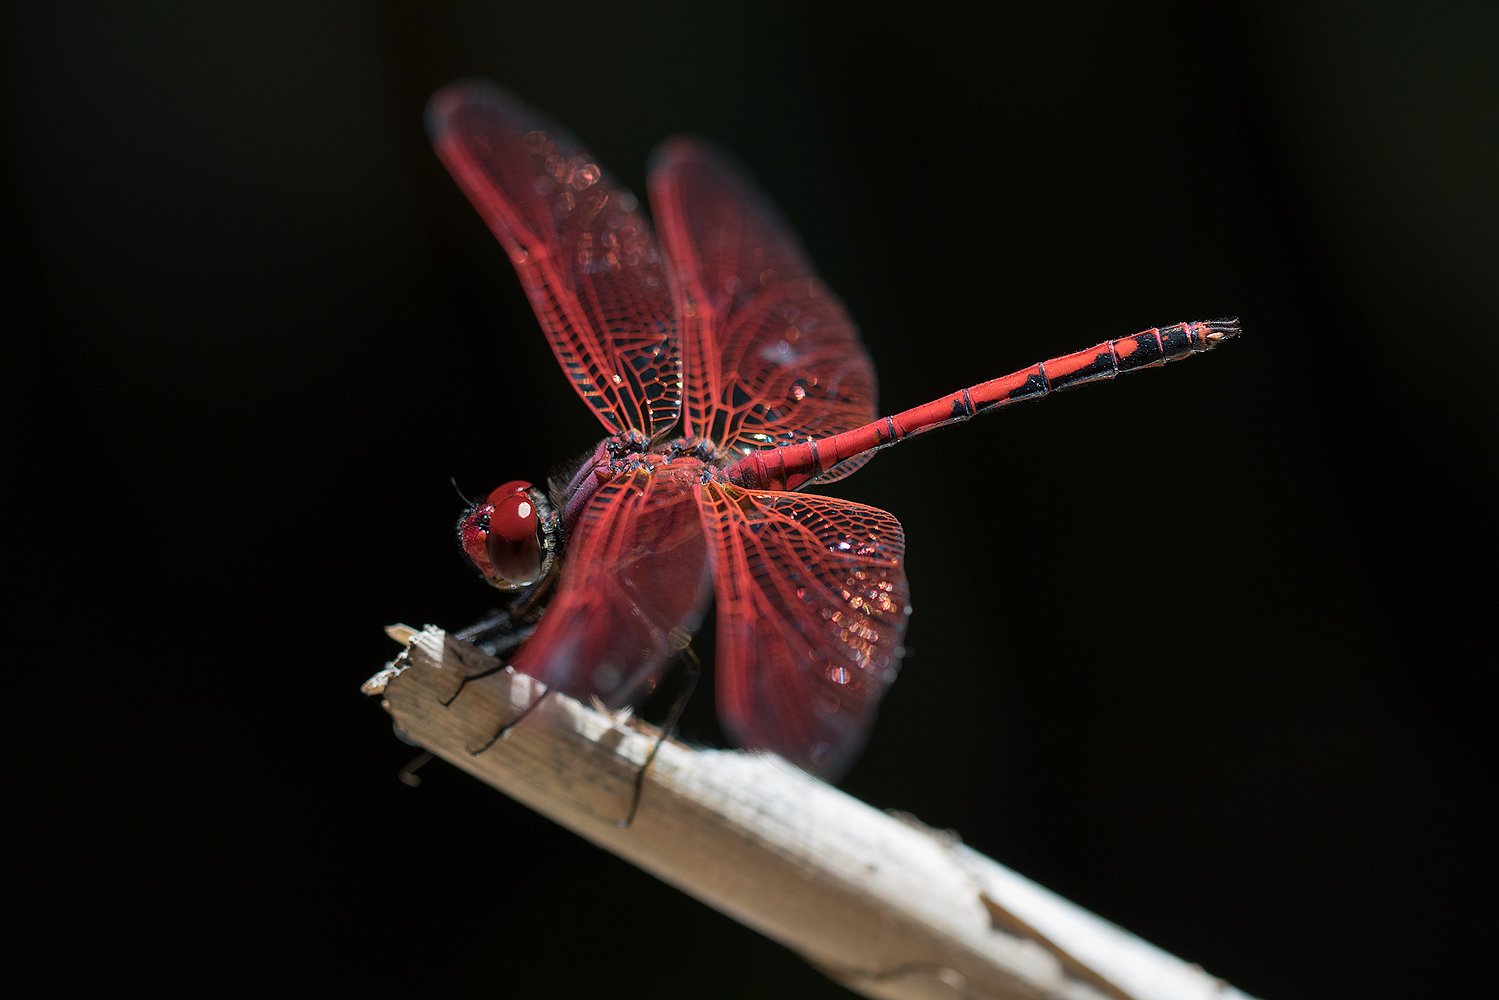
point(514, 542)
point(514, 518)
point(513, 488)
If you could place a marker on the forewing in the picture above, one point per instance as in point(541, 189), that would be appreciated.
point(584, 252)
point(769, 353)
point(812, 606)
point(633, 590)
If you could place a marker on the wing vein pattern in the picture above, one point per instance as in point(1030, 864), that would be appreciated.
point(585, 254)
point(770, 355)
point(812, 606)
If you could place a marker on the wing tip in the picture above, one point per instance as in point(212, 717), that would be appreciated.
point(685, 148)
point(461, 92)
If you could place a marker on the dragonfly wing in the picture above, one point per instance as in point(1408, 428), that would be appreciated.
point(770, 355)
point(634, 589)
point(584, 253)
point(812, 606)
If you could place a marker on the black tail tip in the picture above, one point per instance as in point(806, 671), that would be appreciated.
point(1216, 331)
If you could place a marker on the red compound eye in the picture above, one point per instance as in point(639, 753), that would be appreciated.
point(502, 537)
point(514, 518)
point(509, 489)
point(512, 541)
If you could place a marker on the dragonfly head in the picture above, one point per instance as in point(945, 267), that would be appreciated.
point(508, 536)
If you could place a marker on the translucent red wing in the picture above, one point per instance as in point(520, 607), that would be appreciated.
point(771, 356)
point(637, 569)
point(812, 605)
point(584, 253)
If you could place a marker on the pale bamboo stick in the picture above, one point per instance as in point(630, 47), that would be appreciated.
point(878, 902)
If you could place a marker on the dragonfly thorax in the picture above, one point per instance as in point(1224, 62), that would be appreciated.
point(625, 453)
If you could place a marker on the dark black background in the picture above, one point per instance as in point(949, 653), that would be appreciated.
point(1203, 650)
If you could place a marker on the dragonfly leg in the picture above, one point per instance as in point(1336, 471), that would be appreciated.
point(473, 752)
point(496, 621)
point(408, 773)
point(494, 647)
point(502, 630)
point(495, 632)
point(694, 669)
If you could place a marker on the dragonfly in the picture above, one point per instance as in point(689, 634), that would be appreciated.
point(729, 379)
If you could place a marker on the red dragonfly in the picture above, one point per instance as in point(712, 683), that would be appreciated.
point(729, 379)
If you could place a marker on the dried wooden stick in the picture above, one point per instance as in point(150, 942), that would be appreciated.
point(878, 902)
